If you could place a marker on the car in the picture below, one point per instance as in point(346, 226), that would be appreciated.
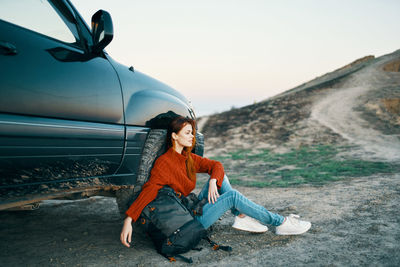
point(74, 122)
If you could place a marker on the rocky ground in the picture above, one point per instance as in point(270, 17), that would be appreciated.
point(356, 221)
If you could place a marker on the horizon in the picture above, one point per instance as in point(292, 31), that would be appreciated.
point(229, 53)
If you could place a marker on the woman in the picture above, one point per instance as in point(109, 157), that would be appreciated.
point(177, 168)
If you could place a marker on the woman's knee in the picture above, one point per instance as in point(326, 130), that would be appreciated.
point(233, 193)
point(226, 186)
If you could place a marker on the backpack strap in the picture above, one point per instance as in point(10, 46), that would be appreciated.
point(188, 260)
point(173, 258)
point(216, 246)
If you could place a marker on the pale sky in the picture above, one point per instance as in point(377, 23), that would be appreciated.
point(224, 53)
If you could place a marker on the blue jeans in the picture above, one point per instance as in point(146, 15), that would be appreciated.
point(231, 199)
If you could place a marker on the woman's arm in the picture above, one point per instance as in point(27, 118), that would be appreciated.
point(212, 167)
point(150, 189)
point(149, 193)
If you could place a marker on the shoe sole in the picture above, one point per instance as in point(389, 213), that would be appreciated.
point(254, 232)
point(298, 233)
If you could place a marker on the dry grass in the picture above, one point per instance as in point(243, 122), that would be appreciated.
point(392, 105)
point(393, 66)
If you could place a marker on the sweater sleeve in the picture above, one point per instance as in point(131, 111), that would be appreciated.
point(212, 167)
point(149, 191)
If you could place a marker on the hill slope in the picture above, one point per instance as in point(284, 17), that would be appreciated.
point(357, 105)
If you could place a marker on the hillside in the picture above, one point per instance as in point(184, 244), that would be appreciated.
point(357, 105)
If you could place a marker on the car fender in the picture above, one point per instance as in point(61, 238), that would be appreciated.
point(148, 101)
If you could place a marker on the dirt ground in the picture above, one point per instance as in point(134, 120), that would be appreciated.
point(355, 222)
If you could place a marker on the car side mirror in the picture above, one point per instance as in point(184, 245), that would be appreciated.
point(102, 30)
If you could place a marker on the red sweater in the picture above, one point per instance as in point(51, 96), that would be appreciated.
point(170, 169)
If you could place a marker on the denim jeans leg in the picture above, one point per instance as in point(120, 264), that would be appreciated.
point(225, 187)
point(234, 199)
point(204, 191)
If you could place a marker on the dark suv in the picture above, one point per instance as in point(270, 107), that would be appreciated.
point(74, 122)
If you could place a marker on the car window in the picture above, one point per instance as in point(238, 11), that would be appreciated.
point(39, 16)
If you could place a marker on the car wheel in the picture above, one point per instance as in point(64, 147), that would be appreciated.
point(154, 147)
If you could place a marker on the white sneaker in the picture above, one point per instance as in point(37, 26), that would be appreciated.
point(293, 226)
point(249, 224)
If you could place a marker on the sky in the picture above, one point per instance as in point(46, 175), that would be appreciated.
point(223, 54)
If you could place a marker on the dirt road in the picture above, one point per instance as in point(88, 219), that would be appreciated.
point(355, 223)
point(338, 112)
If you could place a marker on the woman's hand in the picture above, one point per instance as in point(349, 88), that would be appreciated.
point(213, 194)
point(126, 233)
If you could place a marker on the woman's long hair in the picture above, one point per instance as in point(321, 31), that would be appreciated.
point(176, 125)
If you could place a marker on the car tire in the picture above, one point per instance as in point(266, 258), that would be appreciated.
point(154, 147)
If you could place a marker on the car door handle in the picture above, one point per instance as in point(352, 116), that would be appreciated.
point(7, 48)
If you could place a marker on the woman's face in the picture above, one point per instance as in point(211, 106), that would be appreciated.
point(184, 137)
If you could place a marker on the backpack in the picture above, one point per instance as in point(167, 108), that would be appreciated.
point(171, 225)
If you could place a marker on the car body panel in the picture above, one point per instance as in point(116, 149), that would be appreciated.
point(146, 98)
point(72, 90)
point(72, 119)
point(34, 149)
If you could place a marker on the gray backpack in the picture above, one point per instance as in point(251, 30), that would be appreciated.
point(171, 225)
